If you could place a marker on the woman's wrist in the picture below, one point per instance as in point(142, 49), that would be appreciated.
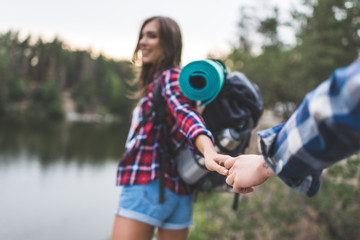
point(204, 144)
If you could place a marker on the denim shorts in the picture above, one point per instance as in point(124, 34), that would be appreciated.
point(141, 202)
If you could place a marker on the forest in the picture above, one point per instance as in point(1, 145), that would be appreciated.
point(35, 75)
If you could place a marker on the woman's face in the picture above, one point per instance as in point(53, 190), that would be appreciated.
point(150, 42)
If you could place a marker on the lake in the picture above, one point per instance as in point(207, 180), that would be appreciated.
point(57, 179)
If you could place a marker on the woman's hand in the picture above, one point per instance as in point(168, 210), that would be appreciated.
point(213, 160)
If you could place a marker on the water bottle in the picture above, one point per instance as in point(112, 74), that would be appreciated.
point(229, 139)
point(190, 166)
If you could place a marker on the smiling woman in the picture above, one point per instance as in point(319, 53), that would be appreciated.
point(149, 43)
point(159, 47)
point(153, 195)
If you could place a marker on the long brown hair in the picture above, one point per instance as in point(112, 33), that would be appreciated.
point(171, 43)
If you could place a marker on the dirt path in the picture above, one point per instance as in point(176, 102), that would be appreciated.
point(268, 119)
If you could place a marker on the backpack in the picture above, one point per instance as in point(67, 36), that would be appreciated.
point(231, 135)
point(231, 116)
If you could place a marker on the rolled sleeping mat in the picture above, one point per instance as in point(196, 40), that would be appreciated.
point(202, 80)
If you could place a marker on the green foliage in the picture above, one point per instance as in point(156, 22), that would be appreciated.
point(46, 102)
point(33, 77)
point(18, 88)
point(209, 224)
point(337, 206)
point(84, 94)
point(4, 75)
point(48, 92)
point(327, 38)
point(114, 92)
point(274, 211)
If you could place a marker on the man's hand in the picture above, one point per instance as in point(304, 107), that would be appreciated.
point(247, 171)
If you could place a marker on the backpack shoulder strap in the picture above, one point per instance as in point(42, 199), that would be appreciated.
point(155, 107)
point(158, 106)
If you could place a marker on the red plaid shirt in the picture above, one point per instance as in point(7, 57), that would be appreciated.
point(140, 163)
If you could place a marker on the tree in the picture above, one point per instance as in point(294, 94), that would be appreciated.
point(328, 39)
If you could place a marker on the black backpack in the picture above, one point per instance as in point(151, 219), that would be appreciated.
point(241, 101)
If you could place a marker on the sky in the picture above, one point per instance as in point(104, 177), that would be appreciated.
point(111, 27)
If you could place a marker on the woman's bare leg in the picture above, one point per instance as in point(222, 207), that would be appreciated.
point(167, 234)
point(129, 229)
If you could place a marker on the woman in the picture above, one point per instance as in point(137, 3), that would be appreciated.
point(140, 212)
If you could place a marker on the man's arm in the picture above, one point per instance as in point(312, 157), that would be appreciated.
point(323, 130)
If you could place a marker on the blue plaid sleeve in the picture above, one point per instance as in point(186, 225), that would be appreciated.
point(323, 130)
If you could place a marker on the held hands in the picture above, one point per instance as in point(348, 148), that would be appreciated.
point(243, 172)
point(247, 171)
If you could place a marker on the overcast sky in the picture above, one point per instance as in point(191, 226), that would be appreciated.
point(112, 26)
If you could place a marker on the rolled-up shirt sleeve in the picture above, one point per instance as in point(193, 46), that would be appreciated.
point(323, 130)
point(190, 122)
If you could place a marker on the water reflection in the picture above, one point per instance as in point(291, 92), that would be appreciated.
point(57, 180)
point(62, 141)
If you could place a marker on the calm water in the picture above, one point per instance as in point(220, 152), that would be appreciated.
point(57, 180)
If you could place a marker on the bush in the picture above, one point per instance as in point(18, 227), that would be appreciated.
point(47, 102)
